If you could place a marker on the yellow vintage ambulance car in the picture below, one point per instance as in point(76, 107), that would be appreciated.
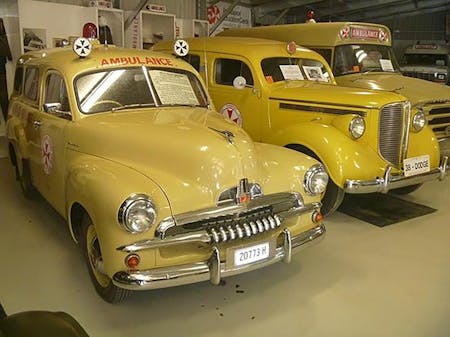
point(158, 189)
point(361, 56)
point(369, 141)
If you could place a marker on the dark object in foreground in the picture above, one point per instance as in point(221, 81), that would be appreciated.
point(382, 209)
point(39, 324)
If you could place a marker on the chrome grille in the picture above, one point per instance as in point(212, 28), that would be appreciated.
point(231, 230)
point(439, 119)
point(391, 133)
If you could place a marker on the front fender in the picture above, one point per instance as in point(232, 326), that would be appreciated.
point(100, 186)
point(422, 143)
point(284, 170)
point(343, 157)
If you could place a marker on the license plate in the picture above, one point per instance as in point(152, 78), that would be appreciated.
point(416, 165)
point(251, 254)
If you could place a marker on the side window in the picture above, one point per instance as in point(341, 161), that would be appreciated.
point(18, 80)
point(193, 60)
point(31, 88)
point(226, 70)
point(325, 53)
point(56, 93)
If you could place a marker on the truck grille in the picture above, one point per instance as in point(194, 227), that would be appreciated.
point(391, 133)
point(422, 76)
point(439, 120)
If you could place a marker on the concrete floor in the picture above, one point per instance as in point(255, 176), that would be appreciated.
point(360, 281)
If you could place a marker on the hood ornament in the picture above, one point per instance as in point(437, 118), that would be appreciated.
point(228, 135)
point(243, 194)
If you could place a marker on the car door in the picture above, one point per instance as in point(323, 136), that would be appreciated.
point(52, 120)
point(29, 111)
point(242, 106)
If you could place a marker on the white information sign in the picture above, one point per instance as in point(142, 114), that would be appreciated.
point(416, 165)
point(386, 65)
point(291, 72)
point(314, 73)
point(251, 254)
point(173, 88)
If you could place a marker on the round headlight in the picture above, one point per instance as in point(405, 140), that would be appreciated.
point(316, 180)
point(357, 127)
point(418, 121)
point(137, 214)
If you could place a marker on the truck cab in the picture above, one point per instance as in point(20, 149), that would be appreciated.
point(427, 61)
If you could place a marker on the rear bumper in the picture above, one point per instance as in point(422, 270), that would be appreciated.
point(213, 269)
point(388, 181)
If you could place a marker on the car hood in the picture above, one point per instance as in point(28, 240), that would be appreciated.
point(417, 91)
point(181, 149)
point(329, 94)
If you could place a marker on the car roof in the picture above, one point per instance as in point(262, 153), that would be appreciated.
point(250, 47)
point(67, 61)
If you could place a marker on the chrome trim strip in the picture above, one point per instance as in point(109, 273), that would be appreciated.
point(204, 271)
point(275, 199)
point(389, 182)
point(332, 111)
point(203, 236)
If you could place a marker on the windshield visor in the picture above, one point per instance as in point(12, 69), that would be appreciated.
point(130, 88)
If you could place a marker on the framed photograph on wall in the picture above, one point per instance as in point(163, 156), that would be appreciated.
point(34, 39)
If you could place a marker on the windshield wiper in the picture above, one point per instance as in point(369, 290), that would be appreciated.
point(132, 106)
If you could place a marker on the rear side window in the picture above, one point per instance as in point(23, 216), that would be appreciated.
point(226, 70)
point(18, 80)
point(31, 83)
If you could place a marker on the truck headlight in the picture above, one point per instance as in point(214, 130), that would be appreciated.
point(137, 213)
point(418, 121)
point(316, 180)
point(357, 127)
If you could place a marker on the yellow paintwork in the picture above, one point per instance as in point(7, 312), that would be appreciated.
point(168, 153)
point(324, 37)
point(325, 134)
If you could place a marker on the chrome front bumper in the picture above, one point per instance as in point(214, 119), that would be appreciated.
point(388, 181)
point(213, 269)
point(444, 146)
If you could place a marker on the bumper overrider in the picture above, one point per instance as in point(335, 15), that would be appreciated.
point(389, 181)
point(216, 226)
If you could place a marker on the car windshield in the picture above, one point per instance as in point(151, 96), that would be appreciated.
point(425, 59)
point(131, 88)
point(277, 69)
point(363, 58)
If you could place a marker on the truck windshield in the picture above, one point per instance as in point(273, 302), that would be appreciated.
point(137, 87)
point(425, 59)
point(363, 58)
point(277, 69)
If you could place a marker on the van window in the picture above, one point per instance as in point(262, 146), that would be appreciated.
point(55, 91)
point(277, 69)
point(18, 80)
point(226, 70)
point(324, 52)
point(31, 83)
point(193, 60)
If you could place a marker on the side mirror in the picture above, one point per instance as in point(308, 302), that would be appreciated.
point(55, 108)
point(52, 107)
point(239, 82)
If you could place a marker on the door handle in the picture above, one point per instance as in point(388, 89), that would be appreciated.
point(37, 124)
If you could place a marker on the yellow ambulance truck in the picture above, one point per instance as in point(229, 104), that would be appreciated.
point(361, 55)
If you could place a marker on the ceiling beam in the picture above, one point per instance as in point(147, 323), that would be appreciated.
point(276, 6)
point(399, 10)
